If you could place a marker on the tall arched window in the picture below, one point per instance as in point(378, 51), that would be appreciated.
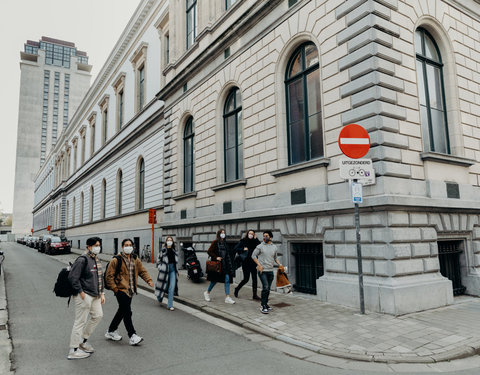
point(82, 206)
point(304, 114)
point(119, 191)
point(233, 141)
point(188, 158)
point(104, 199)
point(431, 92)
point(91, 203)
point(141, 185)
point(73, 210)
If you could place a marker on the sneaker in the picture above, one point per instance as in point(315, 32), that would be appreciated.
point(113, 336)
point(206, 295)
point(135, 339)
point(268, 307)
point(256, 298)
point(77, 354)
point(264, 309)
point(86, 347)
point(229, 300)
point(171, 308)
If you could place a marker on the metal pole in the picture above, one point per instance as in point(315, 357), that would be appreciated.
point(359, 259)
point(153, 241)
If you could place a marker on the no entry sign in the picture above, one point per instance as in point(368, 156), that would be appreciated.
point(354, 141)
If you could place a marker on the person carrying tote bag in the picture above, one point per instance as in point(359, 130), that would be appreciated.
point(167, 279)
point(219, 251)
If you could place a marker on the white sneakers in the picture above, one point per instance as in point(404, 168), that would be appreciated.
point(229, 300)
point(77, 354)
point(207, 296)
point(113, 336)
point(86, 347)
point(135, 339)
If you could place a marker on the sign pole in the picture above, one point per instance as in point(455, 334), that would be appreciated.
point(153, 240)
point(359, 259)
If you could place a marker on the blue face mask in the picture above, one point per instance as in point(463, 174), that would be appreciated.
point(266, 238)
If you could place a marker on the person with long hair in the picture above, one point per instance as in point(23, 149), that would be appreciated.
point(167, 277)
point(245, 248)
point(124, 286)
point(219, 250)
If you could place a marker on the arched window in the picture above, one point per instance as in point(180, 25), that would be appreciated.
point(119, 191)
point(104, 199)
point(82, 204)
point(141, 185)
point(431, 92)
point(73, 211)
point(233, 141)
point(304, 114)
point(188, 158)
point(91, 203)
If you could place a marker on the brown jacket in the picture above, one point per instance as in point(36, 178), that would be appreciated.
point(122, 279)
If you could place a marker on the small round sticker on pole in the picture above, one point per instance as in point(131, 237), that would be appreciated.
point(354, 141)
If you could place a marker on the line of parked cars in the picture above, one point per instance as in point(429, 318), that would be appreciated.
point(47, 243)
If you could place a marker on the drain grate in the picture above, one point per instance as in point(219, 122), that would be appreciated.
point(281, 304)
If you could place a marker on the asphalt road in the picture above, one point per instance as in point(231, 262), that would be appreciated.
point(175, 342)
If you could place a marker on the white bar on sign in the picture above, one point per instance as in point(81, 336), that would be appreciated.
point(354, 141)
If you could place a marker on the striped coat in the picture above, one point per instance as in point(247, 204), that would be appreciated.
point(161, 285)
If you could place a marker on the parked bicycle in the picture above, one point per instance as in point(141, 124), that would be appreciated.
point(146, 255)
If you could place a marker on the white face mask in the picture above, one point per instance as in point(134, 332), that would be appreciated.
point(222, 235)
point(96, 249)
point(169, 243)
point(128, 249)
point(250, 236)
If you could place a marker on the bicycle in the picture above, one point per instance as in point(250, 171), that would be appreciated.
point(146, 254)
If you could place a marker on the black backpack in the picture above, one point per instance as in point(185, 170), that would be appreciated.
point(63, 287)
point(117, 269)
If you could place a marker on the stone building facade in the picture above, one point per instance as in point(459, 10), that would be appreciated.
point(253, 95)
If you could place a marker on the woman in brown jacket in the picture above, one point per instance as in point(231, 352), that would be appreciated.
point(219, 250)
point(124, 285)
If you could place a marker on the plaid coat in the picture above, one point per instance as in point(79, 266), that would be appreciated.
point(161, 285)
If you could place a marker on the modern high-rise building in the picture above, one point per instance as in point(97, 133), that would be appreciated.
point(54, 78)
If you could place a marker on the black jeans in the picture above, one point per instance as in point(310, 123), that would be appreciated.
point(124, 312)
point(266, 278)
point(249, 269)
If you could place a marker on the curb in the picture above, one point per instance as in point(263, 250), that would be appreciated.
point(6, 345)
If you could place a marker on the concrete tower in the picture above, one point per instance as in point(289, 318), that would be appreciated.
point(55, 76)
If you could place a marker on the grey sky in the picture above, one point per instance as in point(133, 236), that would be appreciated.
point(93, 25)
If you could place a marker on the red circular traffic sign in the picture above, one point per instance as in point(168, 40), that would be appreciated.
point(354, 141)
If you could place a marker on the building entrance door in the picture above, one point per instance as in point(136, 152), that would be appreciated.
point(449, 257)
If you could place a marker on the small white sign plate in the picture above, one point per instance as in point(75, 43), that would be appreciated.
point(357, 169)
point(357, 196)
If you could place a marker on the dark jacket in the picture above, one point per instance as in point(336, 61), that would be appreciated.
point(227, 254)
point(84, 276)
point(251, 244)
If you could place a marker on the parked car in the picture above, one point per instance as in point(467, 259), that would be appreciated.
point(26, 240)
point(31, 241)
point(43, 242)
point(57, 245)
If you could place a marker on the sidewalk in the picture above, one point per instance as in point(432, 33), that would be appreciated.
point(426, 337)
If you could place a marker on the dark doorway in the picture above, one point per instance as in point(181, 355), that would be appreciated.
point(308, 266)
point(115, 246)
point(136, 244)
point(449, 257)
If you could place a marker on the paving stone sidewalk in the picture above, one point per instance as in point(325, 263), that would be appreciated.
point(436, 335)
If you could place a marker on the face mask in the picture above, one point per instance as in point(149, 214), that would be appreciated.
point(128, 249)
point(266, 239)
point(222, 235)
point(96, 250)
point(169, 243)
point(250, 236)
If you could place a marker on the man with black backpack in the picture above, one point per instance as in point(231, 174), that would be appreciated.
point(88, 295)
point(123, 282)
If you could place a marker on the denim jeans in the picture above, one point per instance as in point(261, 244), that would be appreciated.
point(266, 278)
point(172, 277)
point(227, 285)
